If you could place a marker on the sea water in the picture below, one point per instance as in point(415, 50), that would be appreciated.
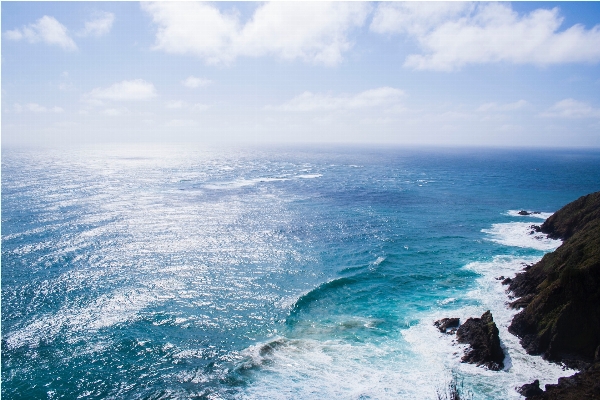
point(176, 272)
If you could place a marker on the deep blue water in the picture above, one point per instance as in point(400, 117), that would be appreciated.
point(175, 272)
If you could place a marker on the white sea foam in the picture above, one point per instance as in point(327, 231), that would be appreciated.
point(416, 363)
point(488, 294)
point(309, 176)
point(520, 234)
point(240, 183)
point(316, 369)
point(379, 260)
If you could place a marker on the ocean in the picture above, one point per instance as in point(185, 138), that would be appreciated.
point(290, 272)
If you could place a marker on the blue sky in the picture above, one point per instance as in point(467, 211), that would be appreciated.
point(460, 74)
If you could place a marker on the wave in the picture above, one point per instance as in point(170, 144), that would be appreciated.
point(520, 234)
point(308, 176)
point(240, 183)
point(488, 293)
point(318, 293)
point(410, 362)
point(243, 182)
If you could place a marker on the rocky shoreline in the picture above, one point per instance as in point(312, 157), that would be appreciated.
point(559, 299)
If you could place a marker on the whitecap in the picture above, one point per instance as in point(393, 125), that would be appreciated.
point(309, 176)
point(520, 234)
point(379, 260)
point(240, 183)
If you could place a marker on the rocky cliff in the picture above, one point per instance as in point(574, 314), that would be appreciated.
point(561, 293)
point(561, 300)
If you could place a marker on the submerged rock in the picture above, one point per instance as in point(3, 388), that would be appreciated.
point(447, 323)
point(523, 212)
point(482, 336)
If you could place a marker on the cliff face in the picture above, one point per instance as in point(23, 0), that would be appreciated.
point(561, 293)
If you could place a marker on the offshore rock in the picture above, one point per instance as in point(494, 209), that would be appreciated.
point(447, 323)
point(530, 389)
point(560, 295)
point(482, 336)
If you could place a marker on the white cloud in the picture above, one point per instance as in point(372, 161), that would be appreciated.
point(100, 25)
point(46, 29)
point(454, 36)
point(193, 82)
point(502, 107)
point(175, 104)
point(36, 108)
point(315, 32)
point(134, 90)
point(181, 123)
point(415, 18)
point(570, 108)
point(200, 107)
point(307, 101)
point(114, 112)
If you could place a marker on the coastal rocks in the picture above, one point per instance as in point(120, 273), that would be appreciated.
point(582, 385)
point(560, 295)
point(482, 336)
point(523, 212)
point(447, 323)
point(530, 389)
point(535, 229)
point(521, 302)
point(572, 217)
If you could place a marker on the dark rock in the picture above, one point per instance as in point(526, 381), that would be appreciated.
point(445, 323)
point(535, 229)
point(561, 293)
point(573, 217)
point(582, 385)
point(530, 389)
point(500, 278)
point(482, 336)
point(521, 302)
point(523, 212)
point(507, 281)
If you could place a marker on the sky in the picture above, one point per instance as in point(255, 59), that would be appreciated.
point(407, 73)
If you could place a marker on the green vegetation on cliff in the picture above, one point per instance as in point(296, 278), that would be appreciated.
point(561, 293)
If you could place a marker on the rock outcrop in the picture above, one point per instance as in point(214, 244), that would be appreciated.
point(560, 295)
point(582, 385)
point(447, 323)
point(530, 389)
point(482, 336)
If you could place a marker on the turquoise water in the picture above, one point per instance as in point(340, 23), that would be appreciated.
point(175, 272)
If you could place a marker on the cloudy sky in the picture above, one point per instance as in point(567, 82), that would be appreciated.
point(494, 74)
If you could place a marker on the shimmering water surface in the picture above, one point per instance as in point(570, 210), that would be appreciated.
point(175, 272)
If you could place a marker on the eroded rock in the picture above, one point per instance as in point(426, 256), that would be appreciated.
point(447, 323)
point(482, 336)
